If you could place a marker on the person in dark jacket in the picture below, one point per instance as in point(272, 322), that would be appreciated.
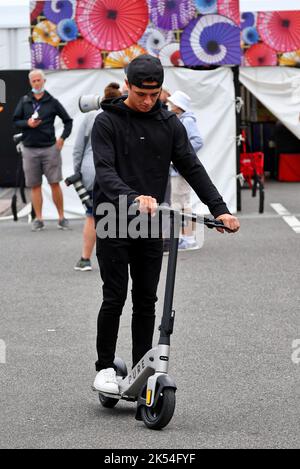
point(34, 116)
point(134, 141)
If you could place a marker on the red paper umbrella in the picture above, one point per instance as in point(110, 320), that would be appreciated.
point(280, 29)
point(112, 25)
point(80, 54)
point(231, 9)
point(36, 8)
point(260, 55)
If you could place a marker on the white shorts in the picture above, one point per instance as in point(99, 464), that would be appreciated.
point(181, 193)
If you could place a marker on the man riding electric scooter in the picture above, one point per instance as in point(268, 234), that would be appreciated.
point(134, 141)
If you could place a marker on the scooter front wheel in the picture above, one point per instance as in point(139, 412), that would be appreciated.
point(108, 402)
point(160, 415)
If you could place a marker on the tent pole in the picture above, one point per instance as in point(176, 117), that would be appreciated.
point(237, 89)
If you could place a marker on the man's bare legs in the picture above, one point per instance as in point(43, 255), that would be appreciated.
point(58, 200)
point(89, 237)
point(37, 201)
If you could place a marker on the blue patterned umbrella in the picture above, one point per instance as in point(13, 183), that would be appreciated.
point(211, 40)
point(207, 6)
point(67, 30)
point(171, 14)
point(57, 10)
point(250, 35)
point(44, 56)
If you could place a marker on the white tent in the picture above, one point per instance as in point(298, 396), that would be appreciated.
point(278, 89)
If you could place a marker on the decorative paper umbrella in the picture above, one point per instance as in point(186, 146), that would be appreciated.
point(153, 40)
point(231, 9)
point(171, 14)
point(36, 8)
point(57, 10)
point(250, 35)
point(122, 58)
point(280, 29)
point(45, 31)
point(211, 40)
point(112, 24)
point(247, 20)
point(291, 59)
point(260, 55)
point(207, 6)
point(67, 30)
point(170, 55)
point(44, 56)
point(80, 54)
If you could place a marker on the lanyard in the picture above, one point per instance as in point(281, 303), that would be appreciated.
point(36, 107)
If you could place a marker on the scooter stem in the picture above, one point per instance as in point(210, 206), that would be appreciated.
point(167, 323)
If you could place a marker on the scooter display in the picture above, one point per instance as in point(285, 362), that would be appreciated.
point(149, 383)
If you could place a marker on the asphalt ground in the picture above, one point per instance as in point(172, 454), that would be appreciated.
point(237, 304)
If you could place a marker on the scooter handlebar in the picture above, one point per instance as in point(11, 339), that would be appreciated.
point(209, 222)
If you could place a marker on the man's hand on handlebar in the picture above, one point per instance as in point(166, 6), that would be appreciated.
point(230, 222)
point(147, 204)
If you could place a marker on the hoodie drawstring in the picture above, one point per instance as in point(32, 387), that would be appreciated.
point(127, 134)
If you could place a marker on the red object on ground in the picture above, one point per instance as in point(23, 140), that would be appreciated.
point(289, 167)
point(251, 164)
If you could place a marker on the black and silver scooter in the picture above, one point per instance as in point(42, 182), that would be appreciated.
point(148, 382)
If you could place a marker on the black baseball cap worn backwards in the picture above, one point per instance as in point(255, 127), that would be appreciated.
point(145, 68)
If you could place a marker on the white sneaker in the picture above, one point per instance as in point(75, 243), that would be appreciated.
point(185, 245)
point(106, 381)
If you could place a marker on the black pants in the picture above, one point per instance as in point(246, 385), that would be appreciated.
point(144, 258)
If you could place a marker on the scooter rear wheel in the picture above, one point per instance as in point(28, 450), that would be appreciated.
point(160, 415)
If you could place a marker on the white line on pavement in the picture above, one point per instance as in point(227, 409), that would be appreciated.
point(291, 220)
point(280, 209)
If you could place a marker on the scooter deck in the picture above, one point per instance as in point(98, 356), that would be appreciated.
point(107, 394)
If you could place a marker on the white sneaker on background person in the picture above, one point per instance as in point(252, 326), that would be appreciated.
point(106, 381)
point(187, 243)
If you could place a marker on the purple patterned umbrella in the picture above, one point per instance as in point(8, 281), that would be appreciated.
point(44, 56)
point(211, 40)
point(57, 10)
point(171, 14)
point(248, 19)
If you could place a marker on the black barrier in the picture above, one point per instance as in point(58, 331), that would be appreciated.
point(14, 85)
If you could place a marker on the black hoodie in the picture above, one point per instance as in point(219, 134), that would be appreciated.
point(48, 109)
point(133, 151)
